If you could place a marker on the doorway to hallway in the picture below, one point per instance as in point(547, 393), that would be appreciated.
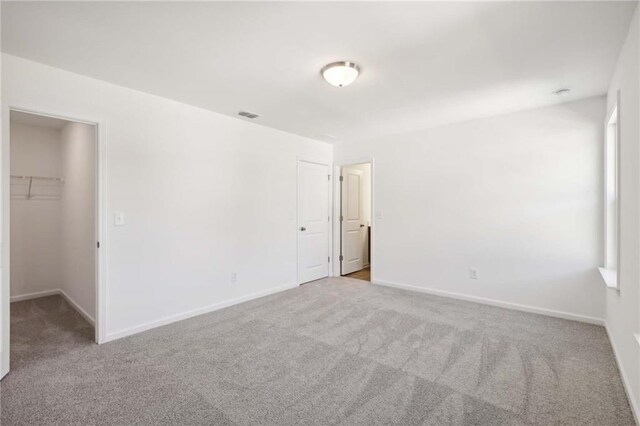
point(355, 221)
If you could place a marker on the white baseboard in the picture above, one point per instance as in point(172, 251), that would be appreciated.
point(493, 302)
point(55, 292)
point(193, 313)
point(635, 409)
point(78, 308)
point(34, 295)
point(4, 365)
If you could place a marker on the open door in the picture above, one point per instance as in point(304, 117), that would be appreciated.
point(4, 247)
point(4, 329)
point(353, 222)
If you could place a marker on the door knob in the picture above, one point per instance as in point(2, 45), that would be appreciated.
point(303, 228)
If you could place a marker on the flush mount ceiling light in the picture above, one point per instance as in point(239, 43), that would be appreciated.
point(562, 92)
point(341, 73)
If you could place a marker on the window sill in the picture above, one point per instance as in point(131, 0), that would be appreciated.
point(610, 277)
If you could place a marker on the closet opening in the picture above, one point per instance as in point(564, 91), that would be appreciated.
point(52, 234)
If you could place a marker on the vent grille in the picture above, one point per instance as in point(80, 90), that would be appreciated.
point(248, 114)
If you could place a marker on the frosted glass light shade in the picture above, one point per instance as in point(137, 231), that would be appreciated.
point(340, 74)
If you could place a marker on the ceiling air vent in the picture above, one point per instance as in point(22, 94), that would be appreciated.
point(248, 114)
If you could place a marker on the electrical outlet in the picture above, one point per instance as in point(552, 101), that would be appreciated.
point(473, 273)
point(118, 219)
point(233, 277)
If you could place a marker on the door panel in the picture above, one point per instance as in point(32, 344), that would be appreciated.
point(352, 221)
point(313, 221)
point(4, 328)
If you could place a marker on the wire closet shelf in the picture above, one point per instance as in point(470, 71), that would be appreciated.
point(36, 187)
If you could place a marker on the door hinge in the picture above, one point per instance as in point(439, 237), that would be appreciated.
point(98, 244)
point(341, 258)
point(328, 259)
point(341, 218)
point(341, 178)
point(328, 177)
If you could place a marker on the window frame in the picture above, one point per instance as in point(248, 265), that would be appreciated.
point(610, 270)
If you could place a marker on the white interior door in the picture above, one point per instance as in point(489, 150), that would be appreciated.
point(4, 246)
point(353, 226)
point(313, 221)
point(4, 329)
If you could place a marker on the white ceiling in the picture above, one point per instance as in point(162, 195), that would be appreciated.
point(423, 64)
point(37, 120)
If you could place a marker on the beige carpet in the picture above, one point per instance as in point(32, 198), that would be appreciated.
point(337, 351)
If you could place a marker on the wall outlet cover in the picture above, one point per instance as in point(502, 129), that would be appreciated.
point(118, 218)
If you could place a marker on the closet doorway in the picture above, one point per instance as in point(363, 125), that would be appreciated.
point(53, 235)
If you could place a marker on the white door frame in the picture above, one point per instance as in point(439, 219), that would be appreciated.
point(337, 204)
point(331, 216)
point(100, 224)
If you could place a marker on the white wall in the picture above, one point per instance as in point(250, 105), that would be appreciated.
point(35, 224)
point(623, 309)
point(517, 196)
point(77, 215)
point(203, 194)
